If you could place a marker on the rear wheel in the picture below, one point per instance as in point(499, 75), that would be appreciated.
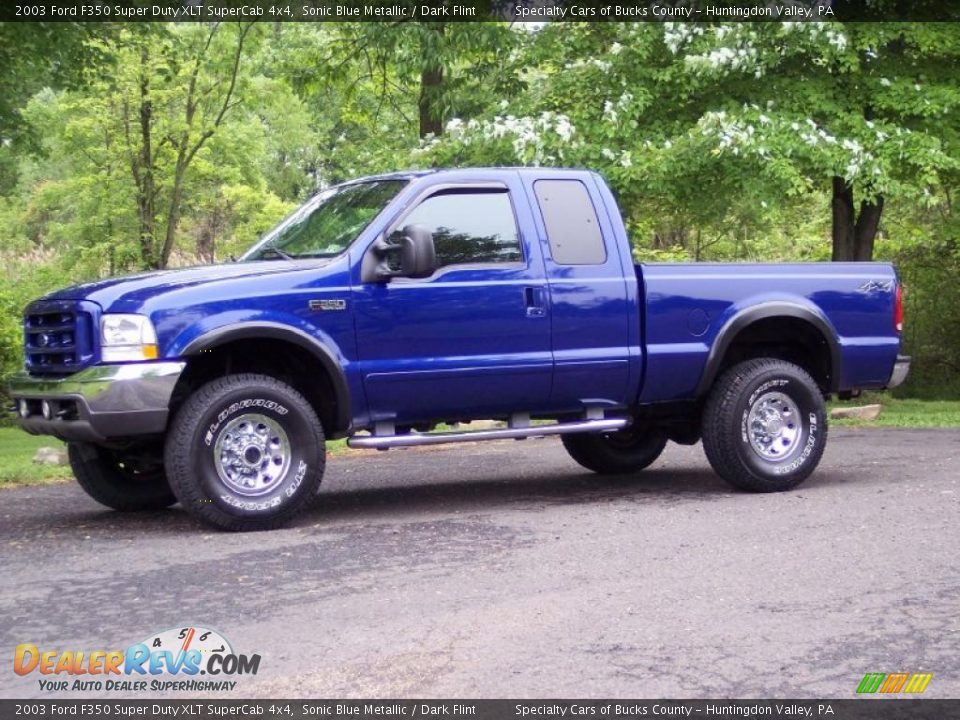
point(625, 451)
point(245, 452)
point(127, 481)
point(765, 425)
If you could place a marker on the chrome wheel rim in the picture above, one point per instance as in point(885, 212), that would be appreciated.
point(252, 454)
point(774, 426)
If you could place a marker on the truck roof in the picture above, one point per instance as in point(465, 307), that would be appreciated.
point(409, 174)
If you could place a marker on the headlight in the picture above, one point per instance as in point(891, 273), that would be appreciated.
point(127, 337)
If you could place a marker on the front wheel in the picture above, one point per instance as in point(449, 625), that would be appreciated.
point(245, 452)
point(617, 453)
point(129, 481)
point(765, 425)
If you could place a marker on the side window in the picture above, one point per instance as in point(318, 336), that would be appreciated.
point(470, 226)
point(571, 221)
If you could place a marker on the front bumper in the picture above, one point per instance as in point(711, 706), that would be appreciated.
point(99, 403)
point(900, 370)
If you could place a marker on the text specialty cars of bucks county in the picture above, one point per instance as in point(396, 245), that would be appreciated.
point(389, 305)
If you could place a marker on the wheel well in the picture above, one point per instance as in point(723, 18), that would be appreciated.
point(286, 361)
point(787, 338)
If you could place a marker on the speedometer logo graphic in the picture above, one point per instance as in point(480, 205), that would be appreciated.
point(184, 639)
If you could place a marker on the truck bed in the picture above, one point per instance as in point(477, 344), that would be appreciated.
point(687, 307)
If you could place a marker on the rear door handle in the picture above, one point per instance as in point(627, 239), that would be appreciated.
point(534, 300)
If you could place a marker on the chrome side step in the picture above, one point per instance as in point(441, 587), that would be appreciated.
point(385, 442)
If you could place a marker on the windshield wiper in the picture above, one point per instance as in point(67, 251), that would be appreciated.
point(276, 251)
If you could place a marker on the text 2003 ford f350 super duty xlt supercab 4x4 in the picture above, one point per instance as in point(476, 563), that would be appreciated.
point(387, 305)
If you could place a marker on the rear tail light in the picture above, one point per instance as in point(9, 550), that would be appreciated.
point(898, 309)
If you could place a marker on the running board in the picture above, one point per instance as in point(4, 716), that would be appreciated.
point(385, 442)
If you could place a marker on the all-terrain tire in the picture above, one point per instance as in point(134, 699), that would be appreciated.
point(245, 452)
point(618, 453)
point(765, 425)
point(110, 481)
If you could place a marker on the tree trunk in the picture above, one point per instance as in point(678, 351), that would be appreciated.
point(173, 220)
point(853, 233)
point(868, 223)
point(844, 221)
point(431, 79)
point(147, 192)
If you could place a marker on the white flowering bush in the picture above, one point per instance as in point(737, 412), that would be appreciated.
point(544, 139)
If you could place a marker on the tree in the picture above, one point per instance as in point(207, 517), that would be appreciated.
point(162, 154)
point(194, 76)
point(697, 125)
point(35, 55)
point(365, 85)
point(856, 109)
point(167, 93)
point(444, 67)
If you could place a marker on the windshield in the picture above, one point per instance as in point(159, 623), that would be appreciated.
point(327, 224)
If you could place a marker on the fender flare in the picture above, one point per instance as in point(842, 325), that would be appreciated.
point(752, 314)
point(276, 331)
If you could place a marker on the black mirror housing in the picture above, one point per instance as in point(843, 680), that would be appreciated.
point(418, 254)
point(416, 250)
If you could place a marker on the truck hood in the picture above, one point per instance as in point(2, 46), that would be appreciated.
point(143, 286)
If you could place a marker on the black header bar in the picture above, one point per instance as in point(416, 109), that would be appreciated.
point(479, 10)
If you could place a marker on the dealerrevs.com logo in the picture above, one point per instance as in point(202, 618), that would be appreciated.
point(189, 659)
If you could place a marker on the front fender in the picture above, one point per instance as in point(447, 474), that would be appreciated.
point(299, 333)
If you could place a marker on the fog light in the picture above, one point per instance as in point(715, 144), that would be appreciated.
point(46, 410)
point(24, 409)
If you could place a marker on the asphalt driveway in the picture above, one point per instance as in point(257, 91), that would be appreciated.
point(504, 570)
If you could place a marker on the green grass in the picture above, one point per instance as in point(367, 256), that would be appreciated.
point(336, 447)
point(17, 449)
point(16, 459)
point(903, 412)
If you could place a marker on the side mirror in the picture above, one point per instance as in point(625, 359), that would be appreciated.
point(418, 255)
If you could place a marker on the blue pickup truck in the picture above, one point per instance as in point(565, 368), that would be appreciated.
point(387, 306)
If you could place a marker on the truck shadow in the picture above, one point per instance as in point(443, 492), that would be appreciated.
point(403, 495)
point(667, 486)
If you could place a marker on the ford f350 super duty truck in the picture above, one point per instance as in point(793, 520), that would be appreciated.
point(388, 305)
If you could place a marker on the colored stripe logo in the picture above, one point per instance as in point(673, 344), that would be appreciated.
point(891, 683)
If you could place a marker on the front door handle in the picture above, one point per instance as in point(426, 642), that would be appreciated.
point(534, 300)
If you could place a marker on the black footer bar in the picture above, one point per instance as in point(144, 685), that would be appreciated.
point(872, 708)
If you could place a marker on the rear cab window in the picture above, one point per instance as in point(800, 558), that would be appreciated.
point(570, 218)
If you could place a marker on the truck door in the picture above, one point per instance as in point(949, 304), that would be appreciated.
point(473, 339)
point(590, 298)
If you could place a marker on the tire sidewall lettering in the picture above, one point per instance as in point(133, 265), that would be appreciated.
point(234, 408)
point(812, 433)
point(811, 430)
point(779, 383)
point(299, 437)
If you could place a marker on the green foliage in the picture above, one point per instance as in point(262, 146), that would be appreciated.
point(34, 274)
point(35, 55)
point(217, 159)
point(924, 242)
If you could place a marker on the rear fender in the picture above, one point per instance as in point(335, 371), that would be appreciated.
point(749, 315)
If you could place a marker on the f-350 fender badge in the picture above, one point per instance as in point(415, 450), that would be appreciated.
point(327, 305)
